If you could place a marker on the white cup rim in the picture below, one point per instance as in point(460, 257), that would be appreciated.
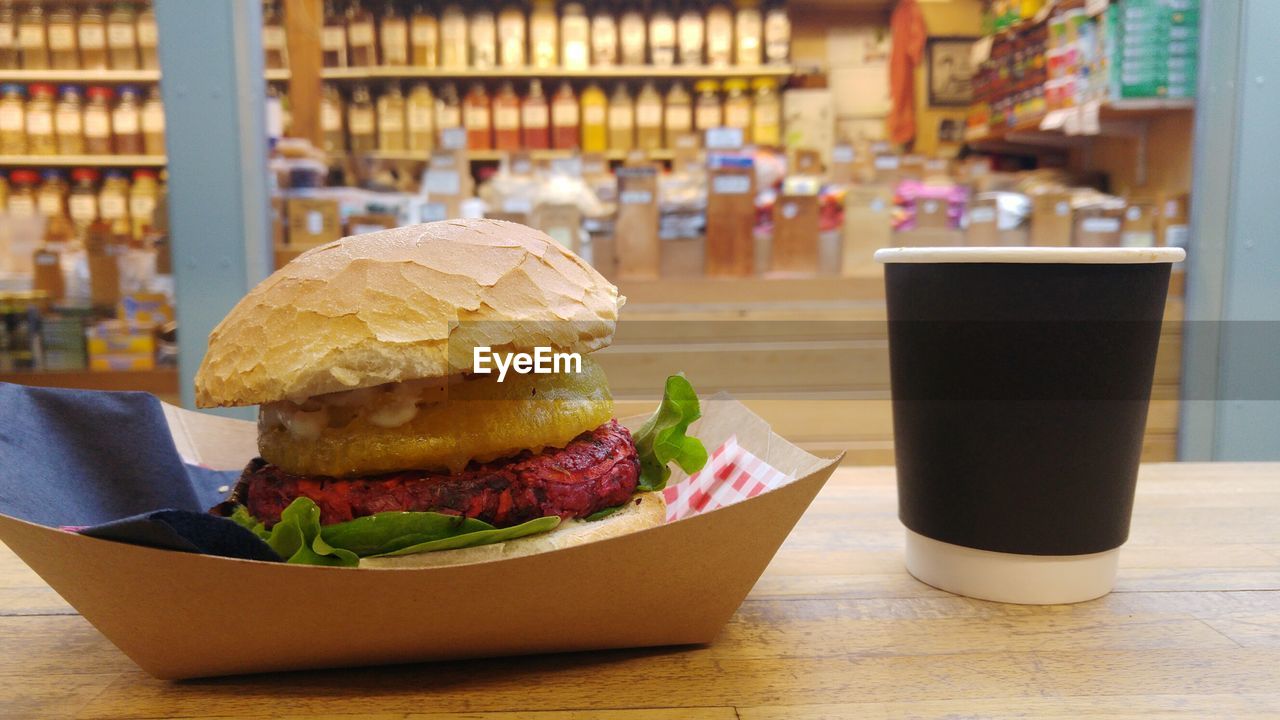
point(1044, 255)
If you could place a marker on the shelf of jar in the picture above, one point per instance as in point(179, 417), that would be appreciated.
point(1048, 128)
point(85, 77)
point(498, 155)
point(9, 161)
point(602, 73)
point(278, 75)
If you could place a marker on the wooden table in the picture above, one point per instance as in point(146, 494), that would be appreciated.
point(834, 629)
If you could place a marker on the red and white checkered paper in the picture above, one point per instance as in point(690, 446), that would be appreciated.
point(732, 474)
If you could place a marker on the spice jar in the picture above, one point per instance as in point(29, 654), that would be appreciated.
point(360, 120)
point(142, 201)
point(622, 119)
point(82, 203)
point(766, 121)
point(22, 193)
point(506, 118)
point(63, 54)
point(535, 118)
point(122, 37)
point(362, 45)
point(632, 35)
point(8, 40)
point(424, 35)
point(68, 125)
point(51, 198)
point(453, 38)
point(153, 122)
point(690, 33)
point(275, 54)
point(604, 37)
point(543, 31)
point(97, 121)
point(91, 32)
point(333, 37)
point(483, 30)
point(33, 38)
point(149, 40)
point(707, 112)
point(749, 31)
point(331, 119)
point(648, 118)
point(595, 119)
point(662, 36)
point(777, 34)
point(393, 35)
point(719, 34)
point(511, 36)
point(448, 110)
point(477, 116)
point(678, 114)
point(126, 122)
point(737, 106)
point(39, 120)
point(113, 201)
point(420, 122)
point(575, 37)
point(391, 110)
point(13, 120)
point(566, 129)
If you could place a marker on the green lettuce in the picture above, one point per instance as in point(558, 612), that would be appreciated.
point(662, 439)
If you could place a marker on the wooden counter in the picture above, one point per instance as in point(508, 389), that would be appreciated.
point(834, 629)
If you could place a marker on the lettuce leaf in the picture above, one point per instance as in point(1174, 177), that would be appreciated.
point(662, 439)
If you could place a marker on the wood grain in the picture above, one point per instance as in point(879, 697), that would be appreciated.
point(834, 629)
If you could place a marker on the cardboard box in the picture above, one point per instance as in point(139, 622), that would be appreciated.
point(1097, 227)
point(313, 221)
point(868, 226)
point(1138, 227)
point(932, 213)
point(183, 615)
point(1051, 219)
point(1173, 218)
point(984, 228)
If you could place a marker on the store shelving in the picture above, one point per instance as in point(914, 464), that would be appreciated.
point(1033, 130)
point(497, 155)
point(603, 73)
point(81, 77)
point(9, 161)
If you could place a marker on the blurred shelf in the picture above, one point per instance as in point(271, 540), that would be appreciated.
point(88, 77)
point(161, 381)
point(280, 75)
point(1112, 115)
point(498, 155)
point(9, 161)
point(606, 73)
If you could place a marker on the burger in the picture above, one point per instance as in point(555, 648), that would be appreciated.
point(387, 439)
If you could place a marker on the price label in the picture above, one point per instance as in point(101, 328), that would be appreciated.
point(984, 215)
point(842, 154)
point(724, 138)
point(443, 182)
point(635, 197)
point(731, 185)
point(1100, 225)
point(453, 138)
point(887, 162)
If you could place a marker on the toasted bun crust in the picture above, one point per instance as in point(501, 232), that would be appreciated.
point(404, 304)
point(644, 511)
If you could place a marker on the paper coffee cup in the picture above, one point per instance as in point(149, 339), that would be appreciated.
point(1021, 379)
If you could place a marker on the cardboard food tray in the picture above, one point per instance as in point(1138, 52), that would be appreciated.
point(182, 615)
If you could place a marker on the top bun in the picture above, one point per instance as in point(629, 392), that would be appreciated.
point(404, 304)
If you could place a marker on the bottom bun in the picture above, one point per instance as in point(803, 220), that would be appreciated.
point(642, 511)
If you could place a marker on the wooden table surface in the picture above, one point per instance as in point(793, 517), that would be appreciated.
point(835, 629)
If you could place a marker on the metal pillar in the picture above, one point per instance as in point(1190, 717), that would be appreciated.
point(214, 95)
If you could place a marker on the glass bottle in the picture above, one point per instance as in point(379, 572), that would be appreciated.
point(777, 34)
point(13, 119)
point(331, 130)
point(506, 118)
point(33, 38)
point(361, 127)
point(153, 122)
point(393, 35)
point(648, 118)
point(622, 119)
point(82, 202)
point(749, 31)
point(632, 35)
point(391, 109)
point(691, 33)
point(22, 193)
point(420, 118)
point(719, 34)
point(478, 118)
point(424, 35)
point(678, 114)
point(142, 201)
point(39, 121)
point(68, 125)
point(737, 106)
point(707, 112)
point(483, 30)
point(333, 37)
point(448, 110)
point(543, 33)
point(126, 121)
point(97, 121)
point(63, 52)
point(362, 45)
point(662, 36)
point(566, 128)
point(275, 53)
point(766, 116)
point(453, 38)
point(511, 36)
point(113, 201)
point(149, 39)
point(595, 119)
point(575, 37)
point(51, 198)
point(92, 33)
point(535, 118)
point(604, 37)
point(122, 37)
point(8, 37)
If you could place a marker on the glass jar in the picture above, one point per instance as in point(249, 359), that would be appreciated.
point(333, 37)
point(648, 118)
point(622, 119)
point(149, 39)
point(424, 35)
point(662, 36)
point(275, 52)
point(142, 201)
point(690, 35)
point(82, 202)
point(604, 37)
point(420, 110)
point(506, 118)
point(719, 34)
point(51, 198)
point(63, 52)
point(126, 122)
point(749, 31)
point(33, 38)
point(97, 121)
point(543, 33)
point(595, 119)
point(13, 119)
point(453, 38)
point(393, 35)
point(91, 32)
point(511, 36)
point(362, 45)
point(8, 39)
point(566, 130)
point(68, 123)
point(632, 35)
point(482, 28)
point(39, 121)
point(678, 114)
point(122, 37)
point(22, 193)
point(113, 201)
point(477, 117)
point(331, 130)
point(707, 112)
point(766, 116)
point(153, 122)
point(391, 111)
point(737, 106)
point(448, 110)
point(535, 118)
point(361, 126)
point(575, 37)
point(777, 34)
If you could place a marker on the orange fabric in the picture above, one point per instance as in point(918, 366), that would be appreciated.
point(908, 35)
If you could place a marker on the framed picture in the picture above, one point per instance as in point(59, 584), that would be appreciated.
point(949, 70)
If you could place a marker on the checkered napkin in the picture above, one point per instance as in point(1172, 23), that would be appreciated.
point(732, 474)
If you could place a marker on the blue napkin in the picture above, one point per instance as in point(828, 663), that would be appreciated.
point(106, 460)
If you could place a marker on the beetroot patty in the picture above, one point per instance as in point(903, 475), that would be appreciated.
point(597, 470)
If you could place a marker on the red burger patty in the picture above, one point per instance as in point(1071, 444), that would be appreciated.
point(597, 470)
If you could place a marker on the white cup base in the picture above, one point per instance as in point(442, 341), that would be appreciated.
point(1008, 577)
